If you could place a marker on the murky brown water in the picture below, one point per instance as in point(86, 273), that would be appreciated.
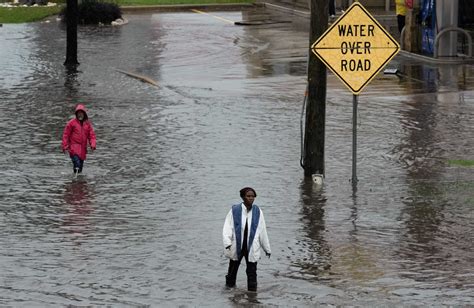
point(142, 227)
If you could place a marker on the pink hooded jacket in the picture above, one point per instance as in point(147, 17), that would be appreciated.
point(77, 134)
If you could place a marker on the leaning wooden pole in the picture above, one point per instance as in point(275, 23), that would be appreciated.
point(71, 33)
point(316, 106)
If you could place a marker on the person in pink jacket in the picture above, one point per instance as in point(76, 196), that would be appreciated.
point(77, 133)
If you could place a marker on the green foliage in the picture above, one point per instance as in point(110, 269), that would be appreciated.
point(461, 162)
point(93, 12)
point(26, 14)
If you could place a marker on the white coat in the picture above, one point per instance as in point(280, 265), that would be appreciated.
point(260, 240)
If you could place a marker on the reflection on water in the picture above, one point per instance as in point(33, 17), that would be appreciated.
point(142, 226)
point(316, 260)
point(357, 260)
point(79, 201)
point(240, 299)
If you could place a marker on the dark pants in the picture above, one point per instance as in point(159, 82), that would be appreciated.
point(251, 271)
point(332, 7)
point(77, 163)
point(400, 22)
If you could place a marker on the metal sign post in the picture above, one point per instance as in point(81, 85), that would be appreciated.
point(354, 139)
point(355, 48)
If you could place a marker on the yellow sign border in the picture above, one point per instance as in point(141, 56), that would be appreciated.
point(314, 47)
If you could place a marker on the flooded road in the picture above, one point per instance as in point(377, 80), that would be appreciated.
point(142, 227)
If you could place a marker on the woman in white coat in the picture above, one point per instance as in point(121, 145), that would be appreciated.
point(244, 235)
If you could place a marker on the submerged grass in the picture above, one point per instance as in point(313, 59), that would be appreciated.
point(27, 14)
point(461, 162)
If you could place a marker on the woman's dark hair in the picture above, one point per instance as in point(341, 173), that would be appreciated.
point(244, 190)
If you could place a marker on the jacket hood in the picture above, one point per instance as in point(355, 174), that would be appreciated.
point(81, 107)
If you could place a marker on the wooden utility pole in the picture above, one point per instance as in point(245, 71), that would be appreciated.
point(71, 33)
point(316, 106)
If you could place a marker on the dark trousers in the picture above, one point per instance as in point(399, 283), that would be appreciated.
point(332, 7)
point(400, 22)
point(251, 271)
point(77, 163)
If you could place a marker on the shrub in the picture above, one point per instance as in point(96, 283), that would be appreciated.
point(93, 12)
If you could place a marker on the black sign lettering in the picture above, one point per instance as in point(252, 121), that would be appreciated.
point(356, 30)
point(355, 65)
point(359, 48)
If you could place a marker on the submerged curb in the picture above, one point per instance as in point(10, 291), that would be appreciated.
point(185, 7)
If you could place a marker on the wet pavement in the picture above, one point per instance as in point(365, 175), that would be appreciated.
point(142, 226)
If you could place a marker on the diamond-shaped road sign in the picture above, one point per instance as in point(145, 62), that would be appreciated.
point(356, 47)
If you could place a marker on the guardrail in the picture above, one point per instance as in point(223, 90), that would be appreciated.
point(452, 29)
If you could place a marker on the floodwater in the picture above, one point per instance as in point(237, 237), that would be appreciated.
point(142, 226)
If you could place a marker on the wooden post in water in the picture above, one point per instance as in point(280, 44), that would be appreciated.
point(316, 106)
point(71, 33)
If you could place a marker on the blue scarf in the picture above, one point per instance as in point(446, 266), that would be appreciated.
point(237, 215)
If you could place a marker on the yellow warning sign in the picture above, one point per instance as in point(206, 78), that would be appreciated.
point(356, 47)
